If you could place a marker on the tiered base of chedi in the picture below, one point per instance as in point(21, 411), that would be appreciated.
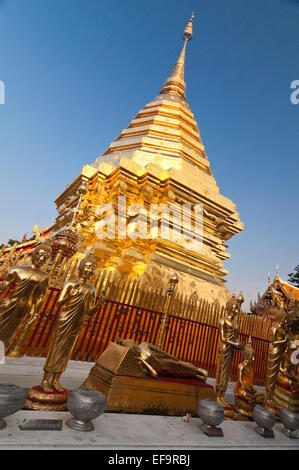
point(158, 159)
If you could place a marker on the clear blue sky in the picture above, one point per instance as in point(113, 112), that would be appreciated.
point(77, 71)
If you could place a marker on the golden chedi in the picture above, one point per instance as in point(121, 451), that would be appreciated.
point(26, 288)
point(158, 159)
point(246, 397)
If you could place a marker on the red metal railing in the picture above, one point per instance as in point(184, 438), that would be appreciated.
point(187, 339)
point(116, 320)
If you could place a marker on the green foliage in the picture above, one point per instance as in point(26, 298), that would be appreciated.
point(10, 242)
point(294, 277)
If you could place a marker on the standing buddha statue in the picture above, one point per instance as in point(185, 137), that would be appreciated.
point(286, 389)
point(22, 304)
point(276, 351)
point(280, 333)
point(227, 346)
point(75, 304)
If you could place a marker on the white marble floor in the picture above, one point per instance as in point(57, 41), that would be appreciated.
point(120, 431)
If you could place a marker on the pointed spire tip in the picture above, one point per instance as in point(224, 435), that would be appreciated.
point(187, 34)
point(175, 83)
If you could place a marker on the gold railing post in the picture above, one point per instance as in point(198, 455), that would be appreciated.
point(174, 279)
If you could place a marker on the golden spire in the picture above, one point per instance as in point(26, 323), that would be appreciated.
point(175, 84)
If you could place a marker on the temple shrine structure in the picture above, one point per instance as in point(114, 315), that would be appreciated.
point(270, 302)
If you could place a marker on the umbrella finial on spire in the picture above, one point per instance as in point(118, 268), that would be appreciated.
point(187, 34)
point(175, 84)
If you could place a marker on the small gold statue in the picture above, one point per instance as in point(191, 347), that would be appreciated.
point(245, 395)
point(162, 364)
point(21, 306)
point(76, 301)
point(158, 363)
point(227, 346)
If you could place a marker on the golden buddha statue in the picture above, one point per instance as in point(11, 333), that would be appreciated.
point(161, 364)
point(245, 395)
point(227, 346)
point(277, 348)
point(286, 387)
point(289, 370)
point(282, 373)
point(22, 304)
point(76, 302)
